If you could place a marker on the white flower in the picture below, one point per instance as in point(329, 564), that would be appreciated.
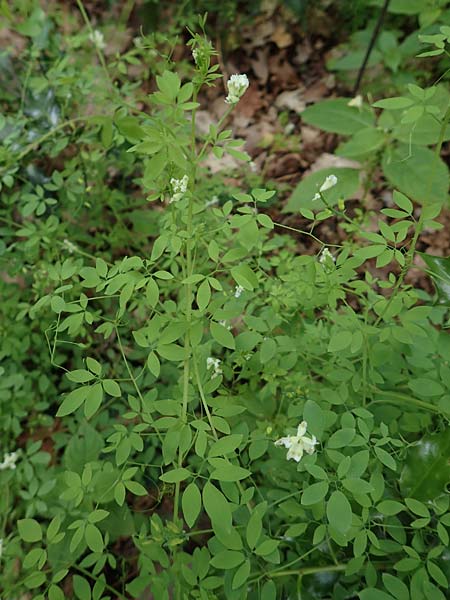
point(237, 86)
point(97, 39)
point(329, 182)
point(298, 444)
point(238, 291)
point(195, 55)
point(214, 200)
point(316, 197)
point(179, 188)
point(326, 255)
point(70, 246)
point(357, 101)
point(9, 462)
point(215, 364)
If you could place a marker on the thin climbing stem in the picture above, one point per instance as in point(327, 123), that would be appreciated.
point(188, 303)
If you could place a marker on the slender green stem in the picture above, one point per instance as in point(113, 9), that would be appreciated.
point(188, 304)
point(306, 233)
point(130, 373)
point(393, 397)
point(116, 593)
point(219, 125)
point(203, 398)
point(310, 571)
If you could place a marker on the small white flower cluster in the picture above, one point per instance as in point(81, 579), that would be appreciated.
point(9, 461)
point(238, 291)
point(69, 245)
point(298, 444)
point(214, 200)
point(97, 39)
point(214, 363)
point(326, 255)
point(329, 182)
point(179, 188)
point(237, 86)
point(357, 101)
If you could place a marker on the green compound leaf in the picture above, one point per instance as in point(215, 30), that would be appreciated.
point(241, 575)
point(390, 507)
point(230, 473)
point(176, 475)
point(302, 196)
point(93, 538)
point(93, 400)
point(222, 336)
point(439, 271)
point(421, 175)
point(337, 117)
point(112, 388)
point(217, 507)
point(225, 445)
point(227, 559)
point(365, 141)
point(427, 469)
point(191, 503)
point(339, 512)
point(395, 586)
point(73, 401)
point(374, 594)
point(254, 529)
point(81, 588)
point(423, 386)
point(315, 493)
point(244, 276)
point(385, 458)
point(29, 530)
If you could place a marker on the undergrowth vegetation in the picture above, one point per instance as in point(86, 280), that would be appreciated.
point(189, 406)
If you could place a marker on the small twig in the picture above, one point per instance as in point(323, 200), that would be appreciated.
point(373, 39)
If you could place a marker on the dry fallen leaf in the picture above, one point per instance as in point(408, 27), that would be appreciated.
point(260, 66)
point(292, 100)
point(281, 37)
point(325, 161)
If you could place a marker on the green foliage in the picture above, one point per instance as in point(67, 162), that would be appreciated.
point(158, 344)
